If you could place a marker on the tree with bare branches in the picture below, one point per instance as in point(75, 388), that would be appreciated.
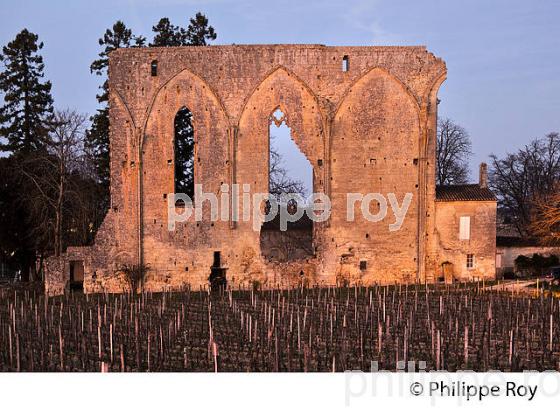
point(53, 177)
point(545, 223)
point(279, 180)
point(453, 150)
point(526, 181)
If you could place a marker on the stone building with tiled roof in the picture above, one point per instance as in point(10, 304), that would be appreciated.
point(466, 230)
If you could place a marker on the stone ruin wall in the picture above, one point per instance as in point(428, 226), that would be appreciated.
point(368, 129)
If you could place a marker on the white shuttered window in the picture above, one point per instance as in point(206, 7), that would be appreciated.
point(464, 228)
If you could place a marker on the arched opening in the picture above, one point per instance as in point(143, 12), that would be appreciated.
point(184, 153)
point(290, 182)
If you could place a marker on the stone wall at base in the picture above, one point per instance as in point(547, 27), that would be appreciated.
point(506, 255)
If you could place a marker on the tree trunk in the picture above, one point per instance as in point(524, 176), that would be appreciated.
point(58, 223)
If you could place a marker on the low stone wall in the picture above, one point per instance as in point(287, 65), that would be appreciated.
point(55, 276)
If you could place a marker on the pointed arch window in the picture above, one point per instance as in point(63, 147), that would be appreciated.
point(289, 173)
point(184, 152)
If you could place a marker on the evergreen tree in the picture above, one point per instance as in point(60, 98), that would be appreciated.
point(28, 102)
point(118, 37)
point(168, 35)
point(17, 244)
point(199, 31)
point(97, 146)
point(97, 137)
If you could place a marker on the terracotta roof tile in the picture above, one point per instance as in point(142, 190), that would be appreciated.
point(467, 192)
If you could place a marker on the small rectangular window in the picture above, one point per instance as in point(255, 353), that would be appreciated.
point(363, 265)
point(464, 228)
point(470, 261)
point(153, 67)
point(345, 64)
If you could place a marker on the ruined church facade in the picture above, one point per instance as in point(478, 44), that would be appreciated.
point(364, 117)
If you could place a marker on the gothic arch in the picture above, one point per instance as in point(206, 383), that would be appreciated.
point(192, 80)
point(429, 107)
point(367, 76)
point(376, 115)
point(120, 101)
point(124, 142)
point(376, 86)
point(271, 73)
point(279, 89)
point(433, 89)
point(123, 159)
point(210, 123)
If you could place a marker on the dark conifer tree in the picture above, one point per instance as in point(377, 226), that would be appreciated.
point(97, 138)
point(25, 120)
point(199, 31)
point(17, 245)
point(184, 153)
point(119, 36)
point(24, 117)
point(168, 35)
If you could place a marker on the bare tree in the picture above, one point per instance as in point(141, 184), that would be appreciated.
point(66, 146)
point(526, 178)
point(289, 242)
point(52, 178)
point(279, 180)
point(453, 150)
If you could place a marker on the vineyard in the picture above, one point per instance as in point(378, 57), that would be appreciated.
point(447, 327)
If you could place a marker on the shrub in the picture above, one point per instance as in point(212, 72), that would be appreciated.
point(534, 265)
point(134, 275)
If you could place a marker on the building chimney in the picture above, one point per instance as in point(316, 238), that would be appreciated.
point(483, 178)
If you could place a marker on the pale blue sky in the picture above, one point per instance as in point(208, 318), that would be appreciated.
point(503, 56)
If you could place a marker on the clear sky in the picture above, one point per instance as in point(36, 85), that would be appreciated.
point(503, 56)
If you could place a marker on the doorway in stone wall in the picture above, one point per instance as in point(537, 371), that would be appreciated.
point(217, 278)
point(77, 275)
point(290, 172)
point(447, 272)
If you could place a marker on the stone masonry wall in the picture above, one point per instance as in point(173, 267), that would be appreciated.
point(482, 242)
point(368, 129)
